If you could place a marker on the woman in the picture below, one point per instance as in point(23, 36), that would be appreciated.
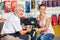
point(44, 22)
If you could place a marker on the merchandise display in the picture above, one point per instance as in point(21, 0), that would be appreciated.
point(29, 16)
point(7, 6)
point(59, 19)
point(13, 5)
point(27, 7)
point(51, 3)
point(54, 20)
point(32, 4)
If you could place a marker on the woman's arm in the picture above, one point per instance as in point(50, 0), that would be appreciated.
point(46, 26)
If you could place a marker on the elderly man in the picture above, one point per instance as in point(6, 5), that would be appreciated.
point(12, 29)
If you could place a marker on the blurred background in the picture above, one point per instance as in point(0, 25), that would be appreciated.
point(31, 10)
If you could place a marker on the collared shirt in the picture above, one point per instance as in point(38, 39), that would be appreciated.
point(11, 25)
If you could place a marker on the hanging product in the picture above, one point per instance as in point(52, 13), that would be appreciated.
point(27, 7)
point(58, 3)
point(13, 5)
point(32, 4)
point(38, 4)
point(49, 3)
point(54, 3)
point(1, 6)
point(13, 0)
point(7, 6)
point(54, 20)
point(59, 19)
point(45, 2)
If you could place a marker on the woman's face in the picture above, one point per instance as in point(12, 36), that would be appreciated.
point(42, 10)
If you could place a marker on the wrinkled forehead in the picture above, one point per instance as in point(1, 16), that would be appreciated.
point(19, 7)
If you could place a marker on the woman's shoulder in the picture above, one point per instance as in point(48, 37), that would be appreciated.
point(47, 16)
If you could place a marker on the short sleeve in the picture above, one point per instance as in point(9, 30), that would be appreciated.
point(47, 16)
point(16, 24)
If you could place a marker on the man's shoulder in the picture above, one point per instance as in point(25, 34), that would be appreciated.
point(12, 17)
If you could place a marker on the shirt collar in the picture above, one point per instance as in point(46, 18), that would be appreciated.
point(16, 15)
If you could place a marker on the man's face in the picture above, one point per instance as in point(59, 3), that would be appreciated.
point(20, 11)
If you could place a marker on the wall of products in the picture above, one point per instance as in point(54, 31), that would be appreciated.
point(30, 7)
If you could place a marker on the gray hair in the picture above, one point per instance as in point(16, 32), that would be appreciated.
point(18, 6)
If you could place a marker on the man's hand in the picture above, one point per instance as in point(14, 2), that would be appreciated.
point(29, 29)
point(24, 27)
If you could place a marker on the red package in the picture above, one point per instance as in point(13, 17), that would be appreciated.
point(14, 4)
point(59, 18)
point(54, 20)
point(7, 6)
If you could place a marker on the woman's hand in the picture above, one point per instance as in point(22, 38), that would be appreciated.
point(37, 29)
point(29, 28)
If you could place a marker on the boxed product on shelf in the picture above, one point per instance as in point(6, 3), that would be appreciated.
point(45, 2)
point(54, 19)
point(59, 19)
point(32, 4)
point(7, 6)
point(13, 5)
point(27, 7)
